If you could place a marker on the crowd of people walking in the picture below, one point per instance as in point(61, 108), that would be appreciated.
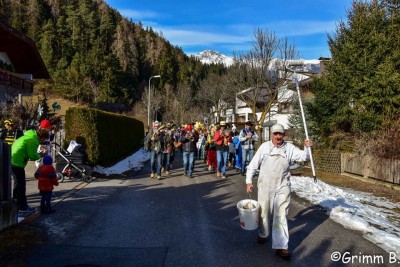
point(220, 146)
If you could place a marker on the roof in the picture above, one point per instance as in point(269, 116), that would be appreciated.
point(262, 95)
point(22, 52)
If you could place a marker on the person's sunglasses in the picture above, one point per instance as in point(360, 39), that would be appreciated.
point(277, 133)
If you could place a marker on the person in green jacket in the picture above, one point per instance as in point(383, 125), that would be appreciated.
point(24, 149)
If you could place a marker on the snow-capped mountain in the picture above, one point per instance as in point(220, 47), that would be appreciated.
point(210, 57)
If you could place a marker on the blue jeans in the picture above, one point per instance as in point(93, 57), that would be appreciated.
point(155, 162)
point(245, 153)
point(166, 161)
point(188, 162)
point(45, 201)
point(222, 159)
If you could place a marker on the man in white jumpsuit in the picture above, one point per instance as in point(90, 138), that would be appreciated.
point(274, 158)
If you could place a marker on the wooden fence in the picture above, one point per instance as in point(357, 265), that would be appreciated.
point(334, 161)
point(387, 170)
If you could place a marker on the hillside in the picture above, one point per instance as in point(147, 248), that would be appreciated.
point(94, 54)
point(64, 104)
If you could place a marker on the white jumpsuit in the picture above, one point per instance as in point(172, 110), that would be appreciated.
point(274, 187)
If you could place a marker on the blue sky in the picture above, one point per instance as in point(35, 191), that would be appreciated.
point(227, 26)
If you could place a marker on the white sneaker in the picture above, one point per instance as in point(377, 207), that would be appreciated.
point(152, 175)
point(209, 168)
point(167, 172)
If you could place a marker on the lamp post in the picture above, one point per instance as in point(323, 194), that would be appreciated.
point(148, 104)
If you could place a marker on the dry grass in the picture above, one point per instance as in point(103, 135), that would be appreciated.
point(65, 104)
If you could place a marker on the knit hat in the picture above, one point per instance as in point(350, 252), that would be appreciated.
point(47, 160)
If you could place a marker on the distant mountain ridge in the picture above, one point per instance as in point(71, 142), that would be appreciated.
point(213, 57)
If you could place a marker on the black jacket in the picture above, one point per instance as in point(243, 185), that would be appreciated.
point(189, 142)
point(10, 136)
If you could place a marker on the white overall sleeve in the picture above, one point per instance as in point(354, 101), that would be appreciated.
point(296, 154)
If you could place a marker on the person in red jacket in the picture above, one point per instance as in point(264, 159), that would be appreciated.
point(222, 138)
point(47, 179)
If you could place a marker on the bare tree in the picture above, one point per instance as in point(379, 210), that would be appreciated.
point(258, 76)
point(182, 104)
point(156, 102)
point(213, 93)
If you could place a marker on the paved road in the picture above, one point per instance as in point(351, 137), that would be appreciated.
point(178, 221)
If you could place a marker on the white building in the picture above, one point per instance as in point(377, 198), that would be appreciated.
point(282, 108)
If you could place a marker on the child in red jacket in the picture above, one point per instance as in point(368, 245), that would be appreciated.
point(46, 174)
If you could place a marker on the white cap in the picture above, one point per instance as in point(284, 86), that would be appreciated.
point(277, 128)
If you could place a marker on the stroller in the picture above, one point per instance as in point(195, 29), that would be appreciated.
point(71, 163)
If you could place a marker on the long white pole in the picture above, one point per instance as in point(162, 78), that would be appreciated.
point(305, 126)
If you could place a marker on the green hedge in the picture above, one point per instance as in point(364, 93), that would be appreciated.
point(107, 137)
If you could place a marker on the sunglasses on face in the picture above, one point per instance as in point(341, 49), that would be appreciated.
point(277, 133)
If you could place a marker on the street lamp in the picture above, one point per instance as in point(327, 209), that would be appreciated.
point(148, 104)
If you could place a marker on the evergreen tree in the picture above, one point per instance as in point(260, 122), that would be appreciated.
point(361, 89)
point(48, 43)
point(94, 54)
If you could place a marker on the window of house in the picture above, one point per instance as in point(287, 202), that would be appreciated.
point(284, 108)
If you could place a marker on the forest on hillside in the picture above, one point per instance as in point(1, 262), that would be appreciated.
point(96, 56)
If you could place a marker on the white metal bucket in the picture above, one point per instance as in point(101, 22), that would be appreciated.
point(248, 216)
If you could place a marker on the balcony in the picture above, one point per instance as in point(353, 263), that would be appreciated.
point(12, 84)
